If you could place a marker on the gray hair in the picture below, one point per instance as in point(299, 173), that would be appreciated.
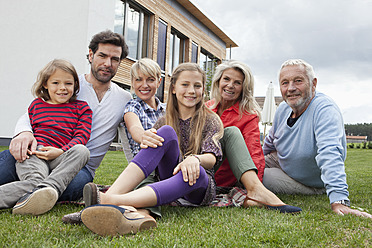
point(308, 68)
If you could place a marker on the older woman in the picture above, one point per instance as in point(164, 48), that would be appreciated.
point(233, 101)
point(232, 92)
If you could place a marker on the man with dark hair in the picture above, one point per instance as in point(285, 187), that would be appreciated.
point(108, 37)
point(105, 98)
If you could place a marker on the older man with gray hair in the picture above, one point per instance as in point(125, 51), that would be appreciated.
point(305, 149)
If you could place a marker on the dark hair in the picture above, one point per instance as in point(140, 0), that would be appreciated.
point(38, 89)
point(109, 37)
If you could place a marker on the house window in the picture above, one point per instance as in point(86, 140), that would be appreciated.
point(194, 53)
point(207, 62)
point(162, 44)
point(177, 50)
point(133, 23)
point(160, 91)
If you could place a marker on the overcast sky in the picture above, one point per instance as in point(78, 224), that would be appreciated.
point(334, 36)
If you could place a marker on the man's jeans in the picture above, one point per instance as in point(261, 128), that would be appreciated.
point(73, 192)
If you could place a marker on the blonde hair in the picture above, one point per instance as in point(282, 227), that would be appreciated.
point(39, 90)
point(148, 67)
point(202, 113)
point(248, 103)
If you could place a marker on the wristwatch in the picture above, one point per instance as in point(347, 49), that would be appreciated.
point(343, 202)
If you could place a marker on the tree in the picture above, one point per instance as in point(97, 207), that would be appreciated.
point(359, 130)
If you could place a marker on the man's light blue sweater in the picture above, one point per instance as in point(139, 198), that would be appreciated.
point(313, 150)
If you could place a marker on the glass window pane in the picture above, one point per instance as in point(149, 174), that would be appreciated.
point(171, 49)
point(162, 39)
point(145, 36)
point(132, 32)
point(119, 17)
point(194, 53)
point(160, 91)
point(203, 61)
point(176, 54)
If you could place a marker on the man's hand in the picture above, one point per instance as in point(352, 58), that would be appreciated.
point(22, 146)
point(48, 153)
point(342, 210)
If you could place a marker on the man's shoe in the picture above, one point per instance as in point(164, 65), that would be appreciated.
point(111, 220)
point(36, 202)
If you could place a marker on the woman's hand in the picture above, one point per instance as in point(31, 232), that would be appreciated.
point(48, 153)
point(151, 139)
point(190, 168)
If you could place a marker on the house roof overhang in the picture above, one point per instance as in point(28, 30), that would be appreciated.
point(189, 6)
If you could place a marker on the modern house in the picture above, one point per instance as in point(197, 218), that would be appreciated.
point(356, 139)
point(168, 31)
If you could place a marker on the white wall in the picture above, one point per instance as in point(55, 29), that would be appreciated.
point(35, 32)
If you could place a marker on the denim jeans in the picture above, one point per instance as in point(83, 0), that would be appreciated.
point(73, 192)
point(7, 168)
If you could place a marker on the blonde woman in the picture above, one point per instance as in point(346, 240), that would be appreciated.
point(233, 101)
point(232, 92)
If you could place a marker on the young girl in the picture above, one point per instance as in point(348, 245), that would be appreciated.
point(61, 125)
point(183, 164)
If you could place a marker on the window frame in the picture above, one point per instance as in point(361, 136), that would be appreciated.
point(143, 44)
point(180, 48)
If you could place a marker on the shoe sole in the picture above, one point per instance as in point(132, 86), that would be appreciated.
point(109, 221)
point(89, 194)
point(40, 202)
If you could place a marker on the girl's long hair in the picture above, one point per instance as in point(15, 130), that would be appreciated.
point(202, 113)
point(248, 103)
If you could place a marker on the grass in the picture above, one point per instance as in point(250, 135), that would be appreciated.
point(316, 226)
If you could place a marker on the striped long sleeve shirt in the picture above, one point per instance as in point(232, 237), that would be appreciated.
point(60, 125)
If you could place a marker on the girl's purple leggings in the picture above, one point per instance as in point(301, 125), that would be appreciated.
point(165, 158)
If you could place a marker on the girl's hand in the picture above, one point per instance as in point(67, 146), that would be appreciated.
point(190, 168)
point(151, 139)
point(48, 153)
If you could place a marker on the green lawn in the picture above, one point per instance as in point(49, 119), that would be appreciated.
point(316, 226)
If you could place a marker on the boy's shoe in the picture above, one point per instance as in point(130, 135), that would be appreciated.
point(91, 194)
point(36, 202)
point(110, 220)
